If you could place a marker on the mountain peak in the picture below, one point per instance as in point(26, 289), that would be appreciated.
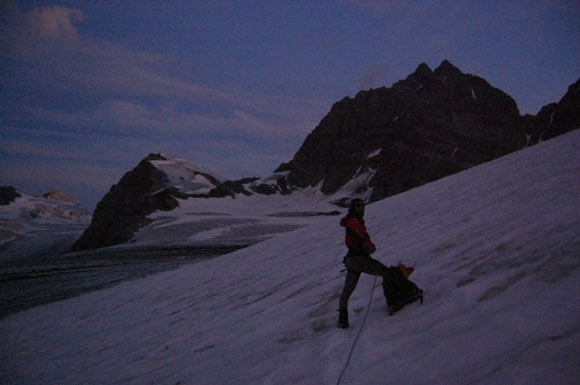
point(58, 196)
point(154, 157)
point(423, 69)
point(447, 68)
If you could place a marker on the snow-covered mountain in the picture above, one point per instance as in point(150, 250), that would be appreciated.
point(32, 226)
point(186, 176)
point(180, 199)
point(496, 250)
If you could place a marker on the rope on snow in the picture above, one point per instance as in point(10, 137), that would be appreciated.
point(358, 335)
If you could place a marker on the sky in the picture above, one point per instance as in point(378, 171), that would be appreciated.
point(89, 88)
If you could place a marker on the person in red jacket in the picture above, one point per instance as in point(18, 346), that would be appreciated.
point(358, 260)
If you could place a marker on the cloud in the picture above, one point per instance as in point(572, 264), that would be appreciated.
point(130, 117)
point(118, 78)
point(53, 22)
point(237, 145)
point(78, 101)
point(81, 148)
point(38, 28)
point(71, 59)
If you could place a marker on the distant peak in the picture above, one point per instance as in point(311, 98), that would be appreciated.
point(423, 69)
point(155, 157)
point(447, 67)
point(58, 196)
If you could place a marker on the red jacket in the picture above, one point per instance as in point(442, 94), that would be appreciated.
point(356, 237)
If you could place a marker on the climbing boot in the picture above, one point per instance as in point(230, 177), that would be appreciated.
point(342, 319)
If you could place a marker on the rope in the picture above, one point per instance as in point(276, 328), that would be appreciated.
point(358, 335)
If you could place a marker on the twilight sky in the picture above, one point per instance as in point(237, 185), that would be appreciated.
point(90, 88)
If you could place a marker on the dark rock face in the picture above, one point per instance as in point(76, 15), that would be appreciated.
point(269, 189)
point(556, 118)
point(8, 194)
point(230, 188)
point(432, 124)
point(124, 208)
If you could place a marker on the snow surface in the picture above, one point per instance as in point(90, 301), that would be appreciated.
point(186, 176)
point(240, 220)
point(496, 250)
point(33, 226)
point(358, 186)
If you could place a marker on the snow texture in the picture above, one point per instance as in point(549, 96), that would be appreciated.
point(186, 176)
point(31, 227)
point(226, 221)
point(496, 250)
point(358, 186)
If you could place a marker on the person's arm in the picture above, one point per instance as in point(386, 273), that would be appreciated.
point(360, 232)
point(369, 246)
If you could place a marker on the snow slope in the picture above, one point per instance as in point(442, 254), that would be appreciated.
point(240, 220)
point(186, 176)
point(33, 226)
point(496, 249)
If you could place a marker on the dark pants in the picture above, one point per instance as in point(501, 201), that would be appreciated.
point(357, 264)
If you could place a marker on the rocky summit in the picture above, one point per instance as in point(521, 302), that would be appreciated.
point(141, 191)
point(432, 124)
point(381, 142)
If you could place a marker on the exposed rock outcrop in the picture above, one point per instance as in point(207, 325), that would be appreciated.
point(7, 195)
point(555, 118)
point(432, 124)
point(125, 207)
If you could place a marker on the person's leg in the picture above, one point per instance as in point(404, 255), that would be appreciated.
point(350, 282)
point(374, 267)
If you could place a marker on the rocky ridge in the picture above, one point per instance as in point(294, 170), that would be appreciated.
point(432, 124)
